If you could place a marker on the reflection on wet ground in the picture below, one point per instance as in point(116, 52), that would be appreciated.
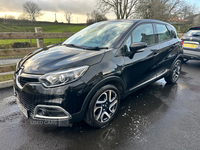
point(159, 116)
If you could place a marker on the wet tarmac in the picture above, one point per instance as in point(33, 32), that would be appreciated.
point(159, 116)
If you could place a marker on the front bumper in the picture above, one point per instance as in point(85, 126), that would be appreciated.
point(44, 114)
point(67, 99)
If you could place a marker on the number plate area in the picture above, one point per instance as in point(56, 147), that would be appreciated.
point(190, 45)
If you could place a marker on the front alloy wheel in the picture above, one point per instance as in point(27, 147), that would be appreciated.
point(103, 106)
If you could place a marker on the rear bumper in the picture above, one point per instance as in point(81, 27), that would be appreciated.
point(191, 54)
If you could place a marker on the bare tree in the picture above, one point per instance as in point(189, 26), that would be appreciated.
point(32, 10)
point(11, 17)
point(22, 17)
point(187, 10)
point(68, 16)
point(88, 16)
point(164, 10)
point(123, 9)
point(5, 17)
point(95, 16)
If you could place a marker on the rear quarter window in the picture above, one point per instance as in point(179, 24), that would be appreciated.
point(172, 31)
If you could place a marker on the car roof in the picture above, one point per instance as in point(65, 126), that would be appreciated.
point(138, 20)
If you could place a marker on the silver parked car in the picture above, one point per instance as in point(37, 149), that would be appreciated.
point(191, 44)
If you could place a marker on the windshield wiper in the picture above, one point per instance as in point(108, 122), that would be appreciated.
point(72, 45)
point(96, 48)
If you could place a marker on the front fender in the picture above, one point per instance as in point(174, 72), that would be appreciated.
point(109, 80)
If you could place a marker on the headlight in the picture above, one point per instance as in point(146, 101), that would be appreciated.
point(62, 77)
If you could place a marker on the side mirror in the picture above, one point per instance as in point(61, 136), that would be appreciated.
point(135, 47)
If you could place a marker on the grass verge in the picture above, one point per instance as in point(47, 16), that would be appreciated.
point(14, 56)
point(6, 77)
point(7, 43)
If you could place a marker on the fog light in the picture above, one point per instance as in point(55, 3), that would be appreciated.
point(50, 112)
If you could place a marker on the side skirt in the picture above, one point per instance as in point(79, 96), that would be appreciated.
point(139, 86)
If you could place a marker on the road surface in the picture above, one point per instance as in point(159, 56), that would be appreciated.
point(159, 116)
point(9, 61)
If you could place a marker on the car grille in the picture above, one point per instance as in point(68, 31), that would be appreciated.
point(24, 80)
point(28, 106)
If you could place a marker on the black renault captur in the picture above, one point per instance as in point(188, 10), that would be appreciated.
point(85, 77)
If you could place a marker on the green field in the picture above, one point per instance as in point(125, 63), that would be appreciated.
point(45, 28)
point(46, 41)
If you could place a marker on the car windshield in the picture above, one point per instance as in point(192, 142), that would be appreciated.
point(98, 35)
point(193, 32)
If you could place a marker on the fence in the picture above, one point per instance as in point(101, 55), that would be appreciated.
point(39, 35)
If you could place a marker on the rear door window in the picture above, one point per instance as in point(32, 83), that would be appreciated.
point(163, 33)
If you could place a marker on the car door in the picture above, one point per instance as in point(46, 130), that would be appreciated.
point(168, 48)
point(141, 67)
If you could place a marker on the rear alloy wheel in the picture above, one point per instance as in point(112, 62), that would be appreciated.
point(175, 73)
point(103, 106)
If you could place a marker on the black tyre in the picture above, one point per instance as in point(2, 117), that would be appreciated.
point(175, 72)
point(103, 106)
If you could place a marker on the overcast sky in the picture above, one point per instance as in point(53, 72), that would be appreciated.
point(79, 8)
point(74, 6)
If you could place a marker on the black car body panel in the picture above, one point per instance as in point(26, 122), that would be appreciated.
point(59, 57)
point(106, 66)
